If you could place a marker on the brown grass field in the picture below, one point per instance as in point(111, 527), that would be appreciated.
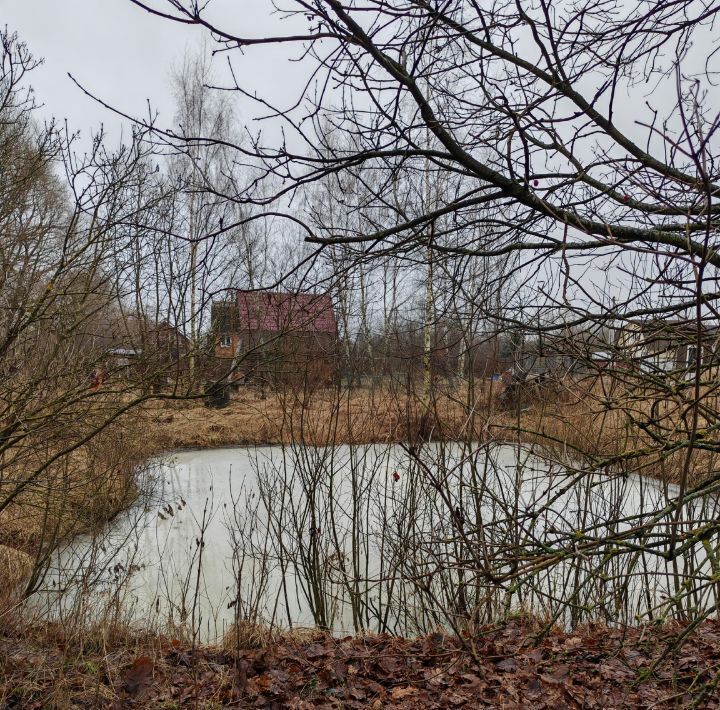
point(575, 425)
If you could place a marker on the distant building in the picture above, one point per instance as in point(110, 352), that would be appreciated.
point(154, 354)
point(123, 360)
point(658, 344)
point(275, 336)
point(150, 354)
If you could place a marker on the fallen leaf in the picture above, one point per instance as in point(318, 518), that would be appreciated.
point(508, 665)
point(534, 686)
point(458, 699)
point(139, 675)
point(537, 654)
point(400, 693)
point(317, 650)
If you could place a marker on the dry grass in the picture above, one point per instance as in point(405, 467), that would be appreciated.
point(319, 418)
point(15, 570)
point(245, 634)
point(78, 493)
point(615, 428)
point(591, 420)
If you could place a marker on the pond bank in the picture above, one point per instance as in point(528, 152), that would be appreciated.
point(578, 426)
point(574, 427)
point(103, 484)
point(503, 666)
point(257, 555)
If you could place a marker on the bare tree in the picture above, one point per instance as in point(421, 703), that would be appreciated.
point(66, 339)
point(202, 176)
point(497, 141)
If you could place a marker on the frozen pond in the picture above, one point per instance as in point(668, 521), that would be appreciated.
point(376, 537)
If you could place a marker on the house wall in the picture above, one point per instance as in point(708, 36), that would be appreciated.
point(226, 352)
point(661, 351)
point(265, 355)
point(294, 356)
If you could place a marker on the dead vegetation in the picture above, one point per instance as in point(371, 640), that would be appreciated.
point(594, 420)
point(77, 493)
point(83, 490)
point(97, 481)
point(318, 418)
point(505, 666)
point(15, 569)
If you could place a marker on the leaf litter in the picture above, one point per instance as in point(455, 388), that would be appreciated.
point(499, 667)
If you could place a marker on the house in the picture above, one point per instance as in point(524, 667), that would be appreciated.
point(148, 353)
point(122, 360)
point(165, 353)
point(665, 345)
point(271, 336)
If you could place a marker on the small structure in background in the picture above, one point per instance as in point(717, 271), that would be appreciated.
point(272, 337)
point(123, 360)
point(600, 359)
point(139, 351)
point(217, 395)
point(667, 346)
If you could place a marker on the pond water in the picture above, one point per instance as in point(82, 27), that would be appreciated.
point(376, 537)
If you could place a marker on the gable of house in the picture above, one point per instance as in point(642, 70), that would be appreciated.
point(275, 312)
point(277, 335)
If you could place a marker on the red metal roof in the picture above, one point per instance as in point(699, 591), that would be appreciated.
point(273, 311)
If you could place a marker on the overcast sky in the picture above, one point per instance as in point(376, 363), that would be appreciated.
point(125, 56)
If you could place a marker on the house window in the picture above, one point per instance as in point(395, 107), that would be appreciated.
point(225, 341)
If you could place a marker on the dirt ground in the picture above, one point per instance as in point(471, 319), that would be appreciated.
point(501, 667)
